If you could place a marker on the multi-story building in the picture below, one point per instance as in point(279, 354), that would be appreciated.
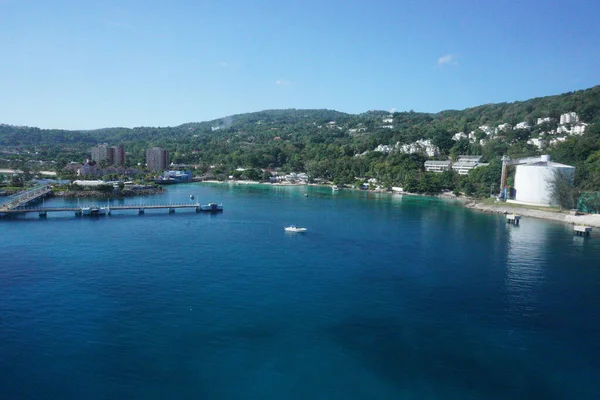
point(569, 118)
point(157, 159)
point(118, 155)
point(437, 166)
point(113, 155)
point(466, 164)
point(101, 152)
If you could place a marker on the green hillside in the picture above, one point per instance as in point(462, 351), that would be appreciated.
point(339, 146)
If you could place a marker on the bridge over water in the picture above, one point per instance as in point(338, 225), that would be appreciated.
point(21, 199)
point(16, 205)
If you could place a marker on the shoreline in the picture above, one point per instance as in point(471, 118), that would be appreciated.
point(557, 216)
point(592, 220)
point(107, 195)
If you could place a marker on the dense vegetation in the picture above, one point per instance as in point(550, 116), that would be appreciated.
point(338, 146)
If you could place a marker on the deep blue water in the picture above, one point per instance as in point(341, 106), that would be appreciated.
point(385, 297)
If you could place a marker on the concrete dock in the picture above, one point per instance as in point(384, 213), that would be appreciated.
point(513, 219)
point(582, 230)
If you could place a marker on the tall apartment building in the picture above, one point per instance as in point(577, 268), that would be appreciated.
point(569, 118)
point(101, 153)
point(118, 155)
point(157, 159)
point(114, 155)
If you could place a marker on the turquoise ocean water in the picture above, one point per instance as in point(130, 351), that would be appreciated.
point(385, 297)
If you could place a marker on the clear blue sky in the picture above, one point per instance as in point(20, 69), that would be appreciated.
point(89, 64)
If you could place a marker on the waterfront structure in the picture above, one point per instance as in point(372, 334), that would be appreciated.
point(532, 181)
point(157, 159)
point(89, 183)
point(175, 177)
point(437, 166)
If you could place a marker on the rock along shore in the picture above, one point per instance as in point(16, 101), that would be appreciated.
point(109, 195)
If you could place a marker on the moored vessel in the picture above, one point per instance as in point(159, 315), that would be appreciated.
point(211, 207)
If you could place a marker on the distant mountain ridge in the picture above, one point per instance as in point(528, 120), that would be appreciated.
point(586, 103)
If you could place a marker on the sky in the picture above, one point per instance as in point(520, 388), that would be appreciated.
point(83, 64)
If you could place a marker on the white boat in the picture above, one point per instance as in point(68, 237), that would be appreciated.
point(94, 210)
point(212, 207)
point(191, 197)
point(334, 188)
point(294, 228)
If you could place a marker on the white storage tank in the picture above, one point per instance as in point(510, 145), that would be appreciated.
point(532, 181)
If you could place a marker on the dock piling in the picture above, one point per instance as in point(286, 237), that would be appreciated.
point(513, 219)
point(582, 230)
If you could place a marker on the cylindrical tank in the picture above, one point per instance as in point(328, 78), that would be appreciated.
point(532, 182)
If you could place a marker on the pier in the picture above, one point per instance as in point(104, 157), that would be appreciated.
point(513, 219)
point(582, 230)
point(97, 210)
point(22, 199)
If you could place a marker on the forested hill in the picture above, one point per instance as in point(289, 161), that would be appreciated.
point(342, 146)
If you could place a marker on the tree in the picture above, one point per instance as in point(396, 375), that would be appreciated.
point(561, 189)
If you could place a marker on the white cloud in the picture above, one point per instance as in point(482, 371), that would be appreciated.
point(282, 82)
point(448, 59)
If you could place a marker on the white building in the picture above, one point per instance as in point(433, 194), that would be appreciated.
point(89, 183)
point(542, 120)
point(460, 135)
point(569, 118)
point(466, 164)
point(384, 148)
point(486, 129)
point(557, 140)
point(502, 128)
point(539, 143)
point(522, 125)
point(578, 129)
point(575, 129)
point(420, 146)
point(437, 166)
point(532, 181)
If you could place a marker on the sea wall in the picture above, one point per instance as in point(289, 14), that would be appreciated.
point(109, 195)
point(588, 219)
